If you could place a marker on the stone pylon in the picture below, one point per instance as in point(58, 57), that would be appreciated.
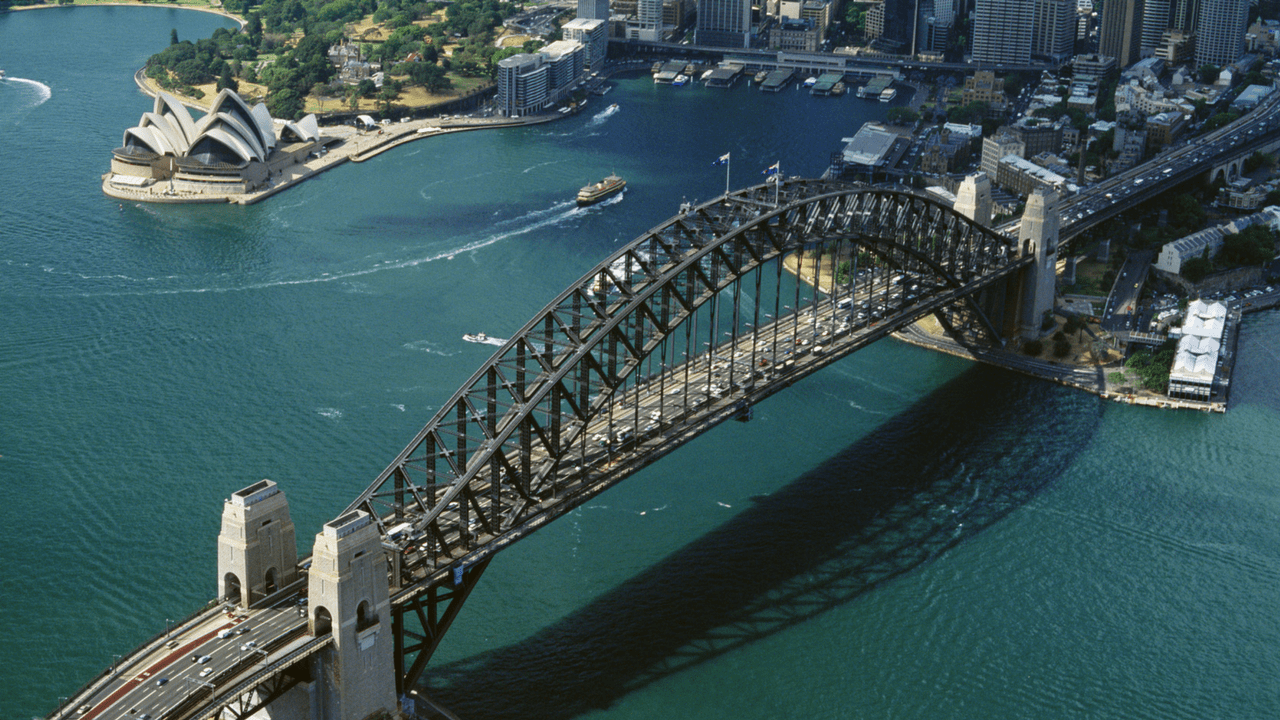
point(973, 198)
point(257, 550)
point(348, 597)
point(1038, 237)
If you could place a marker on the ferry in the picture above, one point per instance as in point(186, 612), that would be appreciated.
point(760, 76)
point(475, 337)
point(1, 74)
point(810, 82)
point(680, 80)
point(888, 94)
point(596, 192)
point(613, 107)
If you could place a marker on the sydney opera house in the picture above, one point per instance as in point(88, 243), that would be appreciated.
point(233, 150)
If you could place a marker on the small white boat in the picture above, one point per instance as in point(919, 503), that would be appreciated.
point(680, 80)
point(810, 82)
point(888, 94)
point(613, 107)
point(476, 337)
point(1, 74)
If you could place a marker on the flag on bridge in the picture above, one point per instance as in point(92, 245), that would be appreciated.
point(771, 169)
point(724, 160)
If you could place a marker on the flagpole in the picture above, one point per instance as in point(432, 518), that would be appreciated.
point(777, 179)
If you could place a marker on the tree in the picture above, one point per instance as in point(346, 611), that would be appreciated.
point(227, 82)
point(902, 116)
point(1196, 269)
point(1208, 74)
point(1033, 347)
point(285, 104)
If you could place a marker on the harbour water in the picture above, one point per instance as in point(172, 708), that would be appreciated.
point(903, 535)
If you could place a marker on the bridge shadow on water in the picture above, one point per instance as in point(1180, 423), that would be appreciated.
point(947, 468)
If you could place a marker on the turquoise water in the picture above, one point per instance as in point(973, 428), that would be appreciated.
point(903, 535)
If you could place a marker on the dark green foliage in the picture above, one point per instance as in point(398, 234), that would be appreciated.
point(1256, 244)
point(1186, 214)
point(286, 103)
point(1061, 348)
point(1219, 120)
point(974, 112)
point(1151, 368)
point(903, 115)
point(1257, 160)
point(1033, 347)
point(1196, 269)
point(1208, 73)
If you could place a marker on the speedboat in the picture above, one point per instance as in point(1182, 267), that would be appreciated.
point(475, 338)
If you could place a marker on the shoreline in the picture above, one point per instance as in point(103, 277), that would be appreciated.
point(198, 8)
point(1090, 378)
point(342, 144)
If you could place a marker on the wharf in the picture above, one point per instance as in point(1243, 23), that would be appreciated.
point(776, 80)
point(724, 77)
point(826, 84)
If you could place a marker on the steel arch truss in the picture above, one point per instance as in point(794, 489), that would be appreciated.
point(554, 416)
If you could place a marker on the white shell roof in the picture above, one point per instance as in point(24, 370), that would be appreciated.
point(248, 132)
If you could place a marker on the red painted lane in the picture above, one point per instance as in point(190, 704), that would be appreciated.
point(131, 685)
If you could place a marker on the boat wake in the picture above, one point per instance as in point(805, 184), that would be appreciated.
point(43, 93)
point(531, 168)
point(428, 347)
point(603, 115)
point(527, 223)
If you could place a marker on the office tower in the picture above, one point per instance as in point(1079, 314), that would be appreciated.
point(1183, 15)
point(1155, 20)
point(1053, 29)
point(898, 27)
point(1121, 31)
point(1220, 31)
point(724, 23)
point(1001, 31)
point(593, 9)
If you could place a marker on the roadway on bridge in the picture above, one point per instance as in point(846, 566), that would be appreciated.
point(1098, 203)
point(155, 680)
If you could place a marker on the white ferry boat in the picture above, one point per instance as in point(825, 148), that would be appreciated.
point(888, 94)
point(680, 80)
point(476, 337)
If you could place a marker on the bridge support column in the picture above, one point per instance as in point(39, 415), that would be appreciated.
point(973, 198)
point(348, 597)
point(257, 550)
point(1038, 236)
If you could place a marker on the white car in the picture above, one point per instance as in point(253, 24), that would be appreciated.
point(206, 672)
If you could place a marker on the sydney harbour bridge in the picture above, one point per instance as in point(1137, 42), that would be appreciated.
point(687, 326)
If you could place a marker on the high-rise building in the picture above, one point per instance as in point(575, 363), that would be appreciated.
point(1155, 20)
point(897, 36)
point(594, 35)
point(1001, 33)
point(724, 23)
point(647, 24)
point(593, 10)
point(1220, 31)
point(1121, 36)
point(1183, 15)
point(1053, 29)
point(530, 82)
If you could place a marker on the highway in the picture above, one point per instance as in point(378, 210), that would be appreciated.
point(1101, 202)
point(215, 649)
